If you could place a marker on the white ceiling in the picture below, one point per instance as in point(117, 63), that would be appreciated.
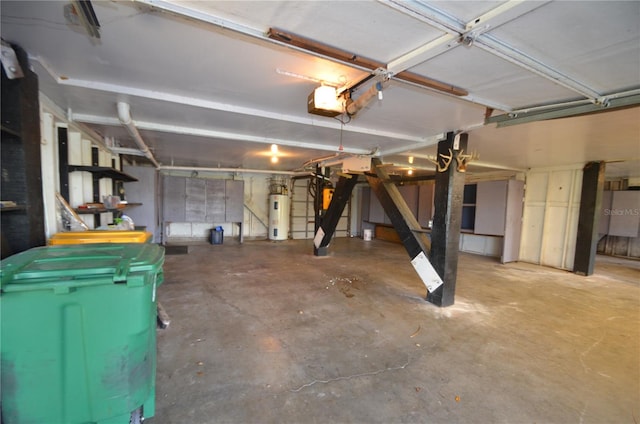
point(208, 88)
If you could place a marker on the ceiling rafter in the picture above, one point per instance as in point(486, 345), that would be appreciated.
point(340, 56)
point(454, 26)
point(455, 30)
point(351, 58)
point(205, 132)
point(564, 112)
point(219, 106)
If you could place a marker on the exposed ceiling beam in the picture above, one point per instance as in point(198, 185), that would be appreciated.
point(209, 133)
point(565, 112)
point(127, 151)
point(219, 106)
point(477, 163)
point(456, 31)
point(233, 170)
point(605, 101)
point(423, 53)
point(407, 77)
point(301, 43)
point(452, 25)
point(62, 116)
point(431, 140)
point(352, 59)
point(181, 10)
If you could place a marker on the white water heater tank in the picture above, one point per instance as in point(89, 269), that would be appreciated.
point(278, 217)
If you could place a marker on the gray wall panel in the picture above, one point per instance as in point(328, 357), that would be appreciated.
point(491, 205)
point(625, 214)
point(215, 201)
point(195, 204)
point(173, 198)
point(234, 201)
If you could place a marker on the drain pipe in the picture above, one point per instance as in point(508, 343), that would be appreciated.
point(124, 114)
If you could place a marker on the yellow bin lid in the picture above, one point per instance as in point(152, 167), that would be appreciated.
point(100, 236)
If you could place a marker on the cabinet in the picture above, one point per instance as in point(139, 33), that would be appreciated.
point(491, 215)
point(199, 200)
point(498, 212)
point(419, 199)
point(22, 222)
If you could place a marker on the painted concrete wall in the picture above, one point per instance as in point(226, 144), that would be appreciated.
point(550, 217)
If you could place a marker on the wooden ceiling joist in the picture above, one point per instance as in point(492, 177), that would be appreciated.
point(360, 61)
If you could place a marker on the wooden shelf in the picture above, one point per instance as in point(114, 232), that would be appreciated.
point(103, 172)
point(93, 211)
point(10, 131)
point(13, 208)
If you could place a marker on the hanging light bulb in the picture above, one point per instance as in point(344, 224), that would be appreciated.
point(410, 172)
point(274, 159)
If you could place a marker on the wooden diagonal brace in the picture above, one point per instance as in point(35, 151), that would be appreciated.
point(406, 225)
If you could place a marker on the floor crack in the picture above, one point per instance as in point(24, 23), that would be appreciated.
point(584, 354)
point(348, 377)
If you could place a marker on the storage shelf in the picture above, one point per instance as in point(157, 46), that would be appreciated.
point(93, 211)
point(13, 208)
point(10, 131)
point(103, 172)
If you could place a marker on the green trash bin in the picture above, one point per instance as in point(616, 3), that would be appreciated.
point(78, 333)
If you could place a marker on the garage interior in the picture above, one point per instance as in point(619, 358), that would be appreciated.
point(451, 236)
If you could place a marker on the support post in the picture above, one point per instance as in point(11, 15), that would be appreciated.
point(589, 215)
point(339, 200)
point(445, 233)
point(405, 223)
point(317, 206)
point(63, 162)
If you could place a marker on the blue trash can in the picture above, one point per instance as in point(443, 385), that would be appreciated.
point(217, 235)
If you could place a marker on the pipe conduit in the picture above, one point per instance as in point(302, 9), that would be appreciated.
point(124, 114)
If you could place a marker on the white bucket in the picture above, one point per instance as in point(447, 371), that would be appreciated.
point(366, 235)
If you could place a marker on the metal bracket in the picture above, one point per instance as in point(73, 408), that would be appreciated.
point(10, 62)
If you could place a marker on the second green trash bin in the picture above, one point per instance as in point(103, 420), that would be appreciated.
point(78, 333)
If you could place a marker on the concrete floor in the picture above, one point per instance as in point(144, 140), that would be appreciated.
point(267, 333)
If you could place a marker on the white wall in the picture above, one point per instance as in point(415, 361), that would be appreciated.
point(80, 183)
point(143, 191)
point(550, 218)
point(49, 165)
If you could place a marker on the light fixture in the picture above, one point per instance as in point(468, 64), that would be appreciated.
point(324, 101)
point(410, 172)
point(274, 149)
point(274, 159)
point(410, 159)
